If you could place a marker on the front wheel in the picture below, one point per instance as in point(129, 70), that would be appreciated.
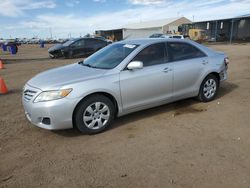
point(94, 114)
point(208, 88)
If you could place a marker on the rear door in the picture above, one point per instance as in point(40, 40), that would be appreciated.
point(152, 83)
point(99, 44)
point(89, 46)
point(92, 45)
point(189, 64)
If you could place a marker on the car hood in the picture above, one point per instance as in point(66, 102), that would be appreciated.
point(55, 47)
point(58, 77)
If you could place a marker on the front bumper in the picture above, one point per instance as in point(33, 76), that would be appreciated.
point(55, 54)
point(223, 75)
point(58, 112)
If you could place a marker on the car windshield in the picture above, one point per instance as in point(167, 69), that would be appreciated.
point(110, 57)
point(69, 42)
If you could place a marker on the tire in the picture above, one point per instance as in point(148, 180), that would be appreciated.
point(209, 88)
point(88, 119)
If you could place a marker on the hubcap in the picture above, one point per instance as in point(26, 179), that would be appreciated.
point(209, 88)
point(96, 115)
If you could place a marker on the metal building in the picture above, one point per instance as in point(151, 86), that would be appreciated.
point(230, 29)
point(145, 29)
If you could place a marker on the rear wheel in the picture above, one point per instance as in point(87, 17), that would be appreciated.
point(95, 114)
point(208, 88)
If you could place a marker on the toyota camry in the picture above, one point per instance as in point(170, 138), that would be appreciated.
point(122, 78)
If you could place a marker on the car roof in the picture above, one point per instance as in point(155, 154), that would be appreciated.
point(81, 38)
point(146, 41)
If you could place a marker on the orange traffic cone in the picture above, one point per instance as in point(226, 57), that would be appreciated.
point(3, 88)
point(1, 64)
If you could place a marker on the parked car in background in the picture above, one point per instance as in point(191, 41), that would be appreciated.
point(103, 38)
point(77, 47)
point(156, 35)
point(168, 36)
point(99, 37)
point(177, 36)
point(122, 78)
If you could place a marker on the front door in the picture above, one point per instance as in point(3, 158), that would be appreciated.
point(152, 83)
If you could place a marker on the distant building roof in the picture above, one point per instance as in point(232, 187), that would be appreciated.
point(243, 16)
point(221, 19)
point(154, 23)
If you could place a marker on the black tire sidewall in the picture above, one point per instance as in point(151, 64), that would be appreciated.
point(78, 117)
point(201, 96)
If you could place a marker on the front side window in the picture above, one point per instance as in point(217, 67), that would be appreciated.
point(152, 55)
point(110, 57)
point(78, 43)
point(180, 51)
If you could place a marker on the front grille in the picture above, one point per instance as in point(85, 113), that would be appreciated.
point(28, 94)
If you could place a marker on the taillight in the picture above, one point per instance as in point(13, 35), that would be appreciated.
point(226, 60)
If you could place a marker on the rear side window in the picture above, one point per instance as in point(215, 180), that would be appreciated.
point(152, 55)
point(95, 43)
point(181, 51)
point(90, 42)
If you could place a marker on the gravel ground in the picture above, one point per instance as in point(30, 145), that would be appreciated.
point(183, 144)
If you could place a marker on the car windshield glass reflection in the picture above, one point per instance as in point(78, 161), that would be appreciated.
point(110, 56)
point(68, 43)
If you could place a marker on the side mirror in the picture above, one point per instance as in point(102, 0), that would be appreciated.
point(135, 65)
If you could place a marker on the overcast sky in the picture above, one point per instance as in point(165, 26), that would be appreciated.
point(29, 18)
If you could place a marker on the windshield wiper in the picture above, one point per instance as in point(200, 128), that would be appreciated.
point(87, 65)
point(80, 62)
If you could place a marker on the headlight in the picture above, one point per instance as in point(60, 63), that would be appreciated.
point(52, 95)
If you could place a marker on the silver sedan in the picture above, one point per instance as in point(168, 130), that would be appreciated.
point(122, 78)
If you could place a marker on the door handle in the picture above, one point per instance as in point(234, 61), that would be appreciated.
point(204, 62)
point(166, 70)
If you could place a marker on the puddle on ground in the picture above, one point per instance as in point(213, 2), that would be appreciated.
point(131, 136)
point(189, 110)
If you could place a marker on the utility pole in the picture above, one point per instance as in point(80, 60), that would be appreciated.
point(231, 34)
point(50, 31)
point(216, 25)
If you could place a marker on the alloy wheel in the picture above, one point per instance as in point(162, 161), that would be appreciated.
point(209, 88)
point(96, 115)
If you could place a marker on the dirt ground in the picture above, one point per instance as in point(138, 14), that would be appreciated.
point(183, 144)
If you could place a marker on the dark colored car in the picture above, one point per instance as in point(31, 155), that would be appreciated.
point(156, 35)
point(77, 48)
